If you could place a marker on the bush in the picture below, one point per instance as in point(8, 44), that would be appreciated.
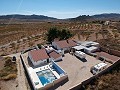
point(10, 76)
point(39, 46)
point(9, 70)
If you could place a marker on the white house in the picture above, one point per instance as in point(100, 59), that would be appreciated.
point(90, 46)
point(63, 45)
point(38, 57)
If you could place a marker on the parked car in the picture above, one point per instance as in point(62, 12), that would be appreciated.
point(80, 54)
point(13, 59)
point(98, 68)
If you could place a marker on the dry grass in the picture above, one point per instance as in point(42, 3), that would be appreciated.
point(110, 43)
point(14, 32)
point(9, 70)
point(109, 81)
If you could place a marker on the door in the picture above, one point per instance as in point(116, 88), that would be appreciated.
point(47, 60)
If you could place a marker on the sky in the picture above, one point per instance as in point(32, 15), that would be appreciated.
point(59, 8)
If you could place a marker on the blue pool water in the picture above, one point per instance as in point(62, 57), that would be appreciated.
point(46, 77)
point(43, 80)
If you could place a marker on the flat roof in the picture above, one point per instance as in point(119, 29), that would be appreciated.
point(79, 47)
point(91, 48)
point(86, 43)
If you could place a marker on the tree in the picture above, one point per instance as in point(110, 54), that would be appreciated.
point(65, 34)
point(61, 34)
point(52, 34)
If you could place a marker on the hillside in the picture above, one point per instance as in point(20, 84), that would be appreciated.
point(28, 17)
point(107, 16)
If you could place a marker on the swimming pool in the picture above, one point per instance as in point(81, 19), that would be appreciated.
point(46, 76)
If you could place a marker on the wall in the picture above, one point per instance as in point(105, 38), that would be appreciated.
point(57, 59)
point(110, 51)
point(55, 45)
point(32, 86)
point(59, 70)
point(56, 83)
point(115, 52)
point(40, 62)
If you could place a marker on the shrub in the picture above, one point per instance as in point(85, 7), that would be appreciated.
point(39, 46)
point(10, 76)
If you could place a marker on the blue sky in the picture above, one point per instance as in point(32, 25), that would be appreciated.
point(59, 8)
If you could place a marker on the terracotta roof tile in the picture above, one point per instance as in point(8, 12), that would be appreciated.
point(39, 54)
point(71, 43)
point(62, 44)
point(54, 54)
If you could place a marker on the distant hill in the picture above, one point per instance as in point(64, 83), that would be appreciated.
point(107, 16)
point(102, 17)
point(27, 17)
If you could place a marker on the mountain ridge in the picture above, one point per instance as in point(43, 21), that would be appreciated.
point(105, 16)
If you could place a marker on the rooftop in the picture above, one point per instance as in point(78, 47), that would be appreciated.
point(62, 44)
point(39, 54)
point(66, 43)
point(54, 54)
point(87, 43)
point(71, 43)
point(79, 47)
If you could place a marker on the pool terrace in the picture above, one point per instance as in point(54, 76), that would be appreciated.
point(44, 77)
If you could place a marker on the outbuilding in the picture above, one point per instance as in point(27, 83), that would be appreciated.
point(55, 56)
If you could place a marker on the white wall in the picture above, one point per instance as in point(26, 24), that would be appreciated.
point(35, 63)
point(56, 46)
point(57, 59)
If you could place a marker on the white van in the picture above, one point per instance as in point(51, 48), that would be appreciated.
point(98, 68)
point(80, 54)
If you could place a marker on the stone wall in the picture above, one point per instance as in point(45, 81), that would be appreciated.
point(110, 51)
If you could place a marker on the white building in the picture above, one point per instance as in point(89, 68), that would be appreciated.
point(38, 57)
point(90, 43)
point(87, 47)
point(63, 45)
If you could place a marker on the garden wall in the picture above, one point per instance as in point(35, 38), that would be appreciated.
point(110, 51)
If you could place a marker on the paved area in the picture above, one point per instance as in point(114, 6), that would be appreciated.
point(76, 69)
